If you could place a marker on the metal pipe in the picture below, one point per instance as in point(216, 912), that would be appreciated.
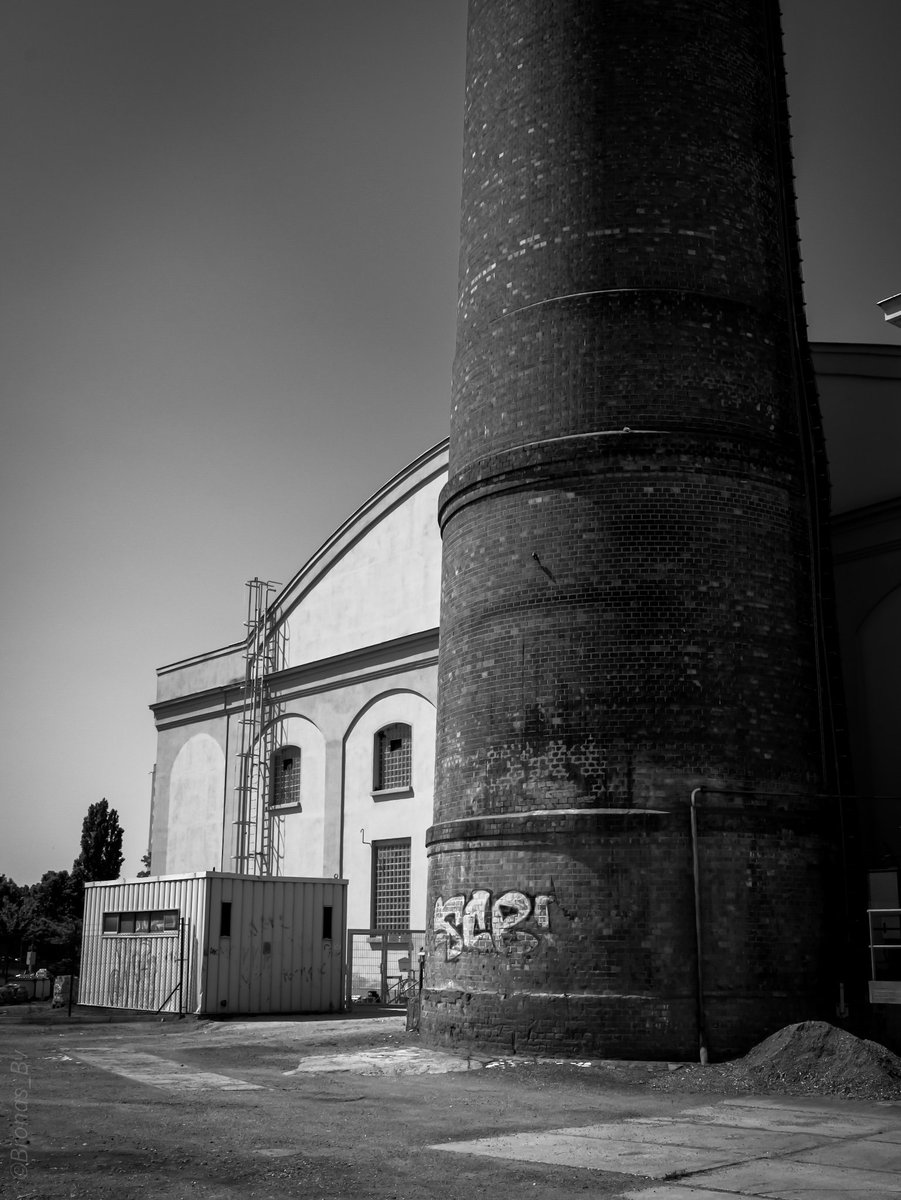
point(696, 876)
point(181, 965)
point(76, 965)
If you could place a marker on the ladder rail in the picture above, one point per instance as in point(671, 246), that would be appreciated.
point(257, 838)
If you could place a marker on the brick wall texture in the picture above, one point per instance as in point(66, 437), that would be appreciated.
point(628, 604)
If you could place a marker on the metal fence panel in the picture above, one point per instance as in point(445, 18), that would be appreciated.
point(383, 965)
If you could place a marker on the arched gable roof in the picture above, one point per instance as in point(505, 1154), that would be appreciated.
point(859, 387)
point(415, 570)
point(377, 577)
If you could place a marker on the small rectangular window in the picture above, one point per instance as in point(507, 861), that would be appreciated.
point(327, 922)
point(170, 921)
point(110, 922)
point(225, 919)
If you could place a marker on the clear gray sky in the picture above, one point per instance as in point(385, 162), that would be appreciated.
point(228, 247)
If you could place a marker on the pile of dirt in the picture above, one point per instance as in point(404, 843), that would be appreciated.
point(811, 1058)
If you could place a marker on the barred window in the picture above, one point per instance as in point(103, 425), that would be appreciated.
point(285, 777)
point(393, 758)
point(391, 884)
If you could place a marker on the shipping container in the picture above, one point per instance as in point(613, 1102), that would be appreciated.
point(215, 943)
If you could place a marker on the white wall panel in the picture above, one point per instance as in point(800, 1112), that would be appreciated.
point(372, 816)
point(142, 971)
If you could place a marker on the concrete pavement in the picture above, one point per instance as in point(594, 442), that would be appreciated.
point(749, 1147)
point(781, 1148)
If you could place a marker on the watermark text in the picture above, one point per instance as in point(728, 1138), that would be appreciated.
point(18, 1154)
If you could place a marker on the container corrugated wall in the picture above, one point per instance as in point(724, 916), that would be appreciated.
point(281, 949)
point(152, 971)
point(284, 946)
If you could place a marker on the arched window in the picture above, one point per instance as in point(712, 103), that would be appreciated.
point(393, 758)
point(285, 777)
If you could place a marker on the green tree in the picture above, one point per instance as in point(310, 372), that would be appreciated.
point(12, 923)
point(52, 911)
point(101, 845)
point(145, 859)
point(51, 919)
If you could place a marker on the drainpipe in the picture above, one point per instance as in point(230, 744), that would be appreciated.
point(696, 874)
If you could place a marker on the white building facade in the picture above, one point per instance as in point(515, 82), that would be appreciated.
point(346, 733)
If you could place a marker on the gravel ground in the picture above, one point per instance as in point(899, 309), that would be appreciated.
point(811, 1058)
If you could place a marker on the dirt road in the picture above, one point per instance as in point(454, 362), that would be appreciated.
point(221, 1110)
point(358, 1109)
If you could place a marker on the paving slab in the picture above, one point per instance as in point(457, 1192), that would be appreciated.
point(782, 1179)
point(762, 1149)
point(794, 1118)
point(793, 1102)
point(868, 1153)
point(594, 1152)
point(676, 1191)
point(739, 1143)
point(159, 1072)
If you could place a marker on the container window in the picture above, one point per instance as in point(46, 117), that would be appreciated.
point(225, 919)
point(159, 921)
point(327, 922)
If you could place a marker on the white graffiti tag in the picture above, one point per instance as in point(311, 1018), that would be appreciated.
point(448, 915)
point(480, 925)
point(476, 931)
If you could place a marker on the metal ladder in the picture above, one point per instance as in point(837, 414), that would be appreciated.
point(258, 842)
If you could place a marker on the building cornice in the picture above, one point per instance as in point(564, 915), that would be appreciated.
point(206, 656)
point(868, 515)
point(867, 531)
point(412, 652)
point(857, 360)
